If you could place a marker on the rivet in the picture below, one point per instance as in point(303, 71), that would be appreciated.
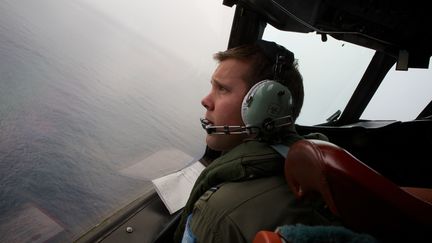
point(129, 229)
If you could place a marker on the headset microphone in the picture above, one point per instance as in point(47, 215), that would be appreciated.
point(266, 107)
point(225, 129)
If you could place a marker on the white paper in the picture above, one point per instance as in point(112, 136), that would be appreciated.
point(174, 189)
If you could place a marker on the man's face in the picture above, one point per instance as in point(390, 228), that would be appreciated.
point(223, 103)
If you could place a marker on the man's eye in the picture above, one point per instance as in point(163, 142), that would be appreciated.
point(222, 89)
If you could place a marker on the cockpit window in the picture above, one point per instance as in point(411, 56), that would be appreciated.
point(96, 99)
point(401, 96)
point(331, 71)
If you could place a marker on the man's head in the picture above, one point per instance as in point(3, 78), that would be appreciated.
point(238, 70)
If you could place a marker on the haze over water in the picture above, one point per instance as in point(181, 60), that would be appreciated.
point(82, 98)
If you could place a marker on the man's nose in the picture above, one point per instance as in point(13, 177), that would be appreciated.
point(207, 102)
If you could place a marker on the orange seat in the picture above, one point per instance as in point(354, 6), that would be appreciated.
point(364, 200)
point(264, 236)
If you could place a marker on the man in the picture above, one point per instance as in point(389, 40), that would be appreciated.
point(244, 191)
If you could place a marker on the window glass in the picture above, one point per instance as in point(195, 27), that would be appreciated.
point(96, 99)
point(331, 71)
point(401, 96)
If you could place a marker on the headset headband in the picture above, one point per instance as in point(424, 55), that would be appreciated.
point(278, 55)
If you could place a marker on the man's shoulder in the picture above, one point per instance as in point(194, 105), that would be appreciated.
point(236, 211)
point(240, 208)
point(241, 201)
point(233, 194)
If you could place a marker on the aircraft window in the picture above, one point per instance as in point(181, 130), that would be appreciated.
point(401, 96)
point(331, 71)
point(97, 97)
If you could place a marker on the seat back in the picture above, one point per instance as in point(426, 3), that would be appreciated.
point(363, 199)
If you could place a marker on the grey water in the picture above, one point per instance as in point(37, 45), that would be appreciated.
point(82, 98)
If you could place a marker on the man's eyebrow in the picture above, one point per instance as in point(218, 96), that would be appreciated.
point(216, 82)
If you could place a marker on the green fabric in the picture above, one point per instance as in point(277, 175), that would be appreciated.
point(238, 210)
point(251, 159)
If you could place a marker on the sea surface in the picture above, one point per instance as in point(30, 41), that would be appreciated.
point(81, 100)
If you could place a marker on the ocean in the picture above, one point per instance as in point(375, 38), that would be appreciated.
point(81, 100)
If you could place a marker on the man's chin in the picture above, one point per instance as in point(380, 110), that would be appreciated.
point(211, 143)
point(223, 142)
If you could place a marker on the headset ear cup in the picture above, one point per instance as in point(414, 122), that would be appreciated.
point(247, 103)
point(267, 100)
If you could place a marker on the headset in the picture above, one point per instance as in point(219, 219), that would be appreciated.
point(268, 104)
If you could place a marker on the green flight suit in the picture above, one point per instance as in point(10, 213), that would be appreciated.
point(238, 210)
point(251, 173)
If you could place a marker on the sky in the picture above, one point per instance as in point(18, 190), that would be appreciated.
point(193, 29)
